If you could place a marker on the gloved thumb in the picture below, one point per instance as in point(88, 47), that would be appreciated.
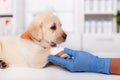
point(58, 60)
point(69, 51)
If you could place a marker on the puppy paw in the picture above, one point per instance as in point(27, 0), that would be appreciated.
point(3, 64)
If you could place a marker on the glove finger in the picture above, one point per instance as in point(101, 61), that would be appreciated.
point(58, 60)
point(69, 51)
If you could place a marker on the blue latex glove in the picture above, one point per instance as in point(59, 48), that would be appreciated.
point(82, 61)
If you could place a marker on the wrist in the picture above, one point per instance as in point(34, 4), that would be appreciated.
point(103, 65)
point(107, 65)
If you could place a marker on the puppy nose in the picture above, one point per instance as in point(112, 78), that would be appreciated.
point(64, 36)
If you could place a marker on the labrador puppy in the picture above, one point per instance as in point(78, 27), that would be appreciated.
point(32, 48)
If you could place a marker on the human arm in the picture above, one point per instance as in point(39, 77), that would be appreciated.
point(115, 66)
point(84, 61)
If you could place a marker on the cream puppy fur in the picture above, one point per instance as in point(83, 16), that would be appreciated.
point(45, 32)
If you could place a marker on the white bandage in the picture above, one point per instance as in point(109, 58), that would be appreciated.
point(59, 51)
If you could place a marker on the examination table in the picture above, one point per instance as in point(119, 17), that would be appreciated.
point(54, 72)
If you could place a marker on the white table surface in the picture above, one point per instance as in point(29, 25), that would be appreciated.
point(51, 73)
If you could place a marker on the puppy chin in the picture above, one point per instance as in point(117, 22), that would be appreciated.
point(53, 44)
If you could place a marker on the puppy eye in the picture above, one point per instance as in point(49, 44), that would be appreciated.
point(53, 27)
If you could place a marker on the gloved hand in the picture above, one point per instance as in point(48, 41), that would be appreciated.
point(82, 61)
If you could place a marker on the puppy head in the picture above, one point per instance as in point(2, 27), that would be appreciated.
point(46, 28)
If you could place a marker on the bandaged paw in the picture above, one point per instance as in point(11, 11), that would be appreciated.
point(59, 51)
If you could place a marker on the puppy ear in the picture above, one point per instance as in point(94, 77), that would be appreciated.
point(35, 31)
